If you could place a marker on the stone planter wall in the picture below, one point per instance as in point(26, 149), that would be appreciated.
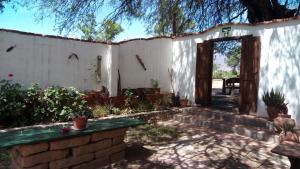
point(84, 152)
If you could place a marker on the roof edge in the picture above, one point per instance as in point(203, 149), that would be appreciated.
point(155, 37)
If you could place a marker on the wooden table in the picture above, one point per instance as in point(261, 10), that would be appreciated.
point(291, 150)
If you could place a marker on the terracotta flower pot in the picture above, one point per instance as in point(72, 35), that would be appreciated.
point(272, 112)
point(279, 121)
point(80, 122)
point(184, 102)
point(288, 136)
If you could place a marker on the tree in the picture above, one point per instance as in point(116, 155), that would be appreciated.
point(92, 31)
point(110, 30)
point(233, 58)
point(204, 13)
point(89, 28)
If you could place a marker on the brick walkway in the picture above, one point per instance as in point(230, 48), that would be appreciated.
point(204, 148)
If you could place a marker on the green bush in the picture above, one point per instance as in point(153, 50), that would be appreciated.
point(62, 102)
point(12, 103)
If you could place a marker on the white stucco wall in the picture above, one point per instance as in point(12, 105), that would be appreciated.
point(279, 61)
point(156, 54)
point(43, 60)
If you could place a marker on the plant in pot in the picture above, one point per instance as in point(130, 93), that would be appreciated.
point(274, 101)
point(288, 134)
point(184, 102)
point(80, 120)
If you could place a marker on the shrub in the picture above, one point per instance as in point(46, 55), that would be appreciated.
point(62, 102)
point(100, 111)
point(11, 103)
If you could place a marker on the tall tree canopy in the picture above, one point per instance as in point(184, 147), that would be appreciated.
point(167, 16)
point(91, 30)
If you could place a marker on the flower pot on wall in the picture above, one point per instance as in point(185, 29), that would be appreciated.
point(279, 122)
point(80, 122)
point(184, 102)
point(288, 136)
point(272, 112)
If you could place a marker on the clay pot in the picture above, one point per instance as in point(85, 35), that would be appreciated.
point(272, 112)
point(279, 121)
point(288, 136)
point(184, 102)
point(80, 122)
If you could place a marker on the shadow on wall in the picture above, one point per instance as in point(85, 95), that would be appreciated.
point(184, 66)
point(280, 67)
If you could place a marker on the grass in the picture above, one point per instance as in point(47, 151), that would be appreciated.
point(151, 134)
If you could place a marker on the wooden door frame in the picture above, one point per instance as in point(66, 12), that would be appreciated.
point(219, 40)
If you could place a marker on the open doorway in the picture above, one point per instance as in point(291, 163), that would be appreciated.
point(248, 78)
point(226, 74)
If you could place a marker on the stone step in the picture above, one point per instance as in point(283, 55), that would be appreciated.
point(213, 115)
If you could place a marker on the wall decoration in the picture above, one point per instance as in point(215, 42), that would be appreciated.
point(10, 48)
point(141, 62)
point(98, 68)
point(73, 55)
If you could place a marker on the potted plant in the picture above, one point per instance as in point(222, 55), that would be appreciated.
point(184, 102)
point(288, 134)
point(80, 120)
point(274, 101)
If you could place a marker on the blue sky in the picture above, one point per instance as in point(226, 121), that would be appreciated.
point(23, 19)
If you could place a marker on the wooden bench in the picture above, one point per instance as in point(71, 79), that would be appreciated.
point(291, 150)
point(230, 84)
point(46, 147)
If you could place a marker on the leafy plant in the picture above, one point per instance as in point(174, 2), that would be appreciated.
point(62, 102)
point(163, 101)
point(100, 111)
point(274, 99)
point(154, 83)
point(11, 103)
point(286, 127)
point(82, 113)
point(128, 98)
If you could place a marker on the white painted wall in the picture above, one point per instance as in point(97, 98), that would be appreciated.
point(157, 57)
point(43, 60)
point(279, 62)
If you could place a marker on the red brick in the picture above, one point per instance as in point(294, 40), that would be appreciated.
point(14, 165)
point(108, 134)
point(117, 156)
point(109, 151)
point(26, 150)
point(118, 140)
point(71, 161)
point(93, 164)
point(92, 147)
point(67, 143)
point(41, 158)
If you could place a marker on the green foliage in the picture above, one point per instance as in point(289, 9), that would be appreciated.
point(128, 98)
point(219, 74)
point(110, 29)
point(151, 133)
point(233, 58)
point(89, 28)
point(286, 127)
point(163, 102)
point(62, 102)
point(92, 31)
point(144, 105)
point(275, 99)
point(11, 102)
point(101, 111)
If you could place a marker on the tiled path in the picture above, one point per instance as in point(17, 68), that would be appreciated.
point(204, 148)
